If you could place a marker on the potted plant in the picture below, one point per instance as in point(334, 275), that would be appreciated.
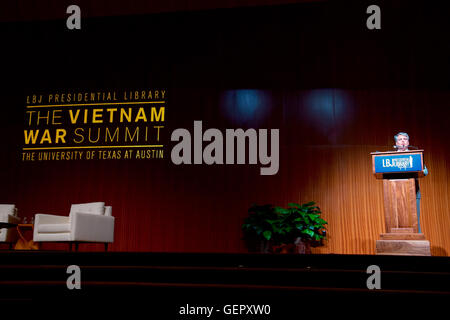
point(286, 229)
point(302, 224)
point(257, 227)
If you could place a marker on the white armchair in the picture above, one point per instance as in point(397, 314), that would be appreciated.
point(8, 214)
point(87, 222)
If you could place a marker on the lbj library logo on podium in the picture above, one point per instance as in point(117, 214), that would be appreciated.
point(398, 163)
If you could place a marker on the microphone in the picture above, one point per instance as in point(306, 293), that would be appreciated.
point(412, 147)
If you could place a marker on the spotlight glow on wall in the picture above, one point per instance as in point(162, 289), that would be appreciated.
point(325, 108)
point(246, 107)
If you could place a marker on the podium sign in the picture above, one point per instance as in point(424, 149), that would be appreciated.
point(399, 171)
point(398, 163)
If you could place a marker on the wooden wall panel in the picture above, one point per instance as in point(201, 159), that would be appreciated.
point(162, 207)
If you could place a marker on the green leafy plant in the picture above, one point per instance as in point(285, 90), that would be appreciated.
point(285, 225)
point(258, 223)
point(300, 221)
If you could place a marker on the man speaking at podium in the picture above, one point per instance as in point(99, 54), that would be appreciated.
point(402, 144)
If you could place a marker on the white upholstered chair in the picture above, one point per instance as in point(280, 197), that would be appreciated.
point(87, 222)
point(8, 214)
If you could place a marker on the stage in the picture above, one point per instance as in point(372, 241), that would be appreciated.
point(173, 283)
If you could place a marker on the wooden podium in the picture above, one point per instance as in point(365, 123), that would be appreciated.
point(400, 172)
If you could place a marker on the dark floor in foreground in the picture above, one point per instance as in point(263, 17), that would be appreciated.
point(232, 285)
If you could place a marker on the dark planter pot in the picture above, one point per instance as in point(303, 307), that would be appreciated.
point(256, 245)
point(284, 248)
point(303, 246)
